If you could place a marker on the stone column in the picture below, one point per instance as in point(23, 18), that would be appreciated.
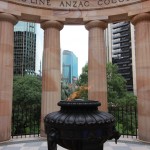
point(142, 57)
point(97, 84)
point(7, 22)
point(51, 71)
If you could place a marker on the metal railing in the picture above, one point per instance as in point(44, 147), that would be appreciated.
point(126, 119)
point(26, 120)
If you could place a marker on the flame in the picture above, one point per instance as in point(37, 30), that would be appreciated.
point(73, 96)
point(76, 94)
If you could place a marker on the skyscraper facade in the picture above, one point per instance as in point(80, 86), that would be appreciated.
point(122, 51)
point(69, 67)
point(24, 48)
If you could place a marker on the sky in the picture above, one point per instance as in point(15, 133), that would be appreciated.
point(72, 38)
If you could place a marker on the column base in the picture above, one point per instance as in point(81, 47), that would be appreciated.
point(42, 134)
point(5, 140)
point(144, 141)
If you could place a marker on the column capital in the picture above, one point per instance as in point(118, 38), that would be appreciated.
point(52, 24)
point(140, 17)
point(96, 23)
point(8, 17)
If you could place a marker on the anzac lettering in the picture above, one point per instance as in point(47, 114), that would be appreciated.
point(74, 4)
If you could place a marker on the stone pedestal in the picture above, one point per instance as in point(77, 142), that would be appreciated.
point(142, 56)
point(51, 72)
point(97, 83)
point(6, 73)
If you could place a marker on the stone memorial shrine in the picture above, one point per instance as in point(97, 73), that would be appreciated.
point(95, 16)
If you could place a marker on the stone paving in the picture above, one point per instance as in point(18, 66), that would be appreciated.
point(41, 144)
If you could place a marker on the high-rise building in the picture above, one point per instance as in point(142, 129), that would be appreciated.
point(24, 48)
point(122, 50)
point(69, 67)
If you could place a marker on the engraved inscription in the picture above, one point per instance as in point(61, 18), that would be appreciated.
point(62, 4)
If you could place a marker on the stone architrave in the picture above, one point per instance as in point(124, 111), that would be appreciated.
point(51, 72)
point(7, 23)
point(142, 56)
point(97, 83)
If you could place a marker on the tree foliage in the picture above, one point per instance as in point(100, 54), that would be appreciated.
point(26, 104)
point(115, 82)
point(116, 87)
point(83, 78)
point(117, 91)
point(27, 89)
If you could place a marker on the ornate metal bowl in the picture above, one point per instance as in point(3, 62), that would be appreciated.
point(79, 125)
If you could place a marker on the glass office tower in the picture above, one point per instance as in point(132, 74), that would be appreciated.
point(69, 67)
point(24, 48)
point(122, 51)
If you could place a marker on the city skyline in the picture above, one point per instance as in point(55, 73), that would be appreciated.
point(72, 38)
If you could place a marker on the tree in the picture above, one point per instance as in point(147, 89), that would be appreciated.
point(116, 84)
point(117, 91)
point(27, 89)
point(26, 104)
point(116, 87)
point(83, 78)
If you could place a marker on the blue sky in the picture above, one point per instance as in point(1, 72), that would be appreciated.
point(73, 38)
